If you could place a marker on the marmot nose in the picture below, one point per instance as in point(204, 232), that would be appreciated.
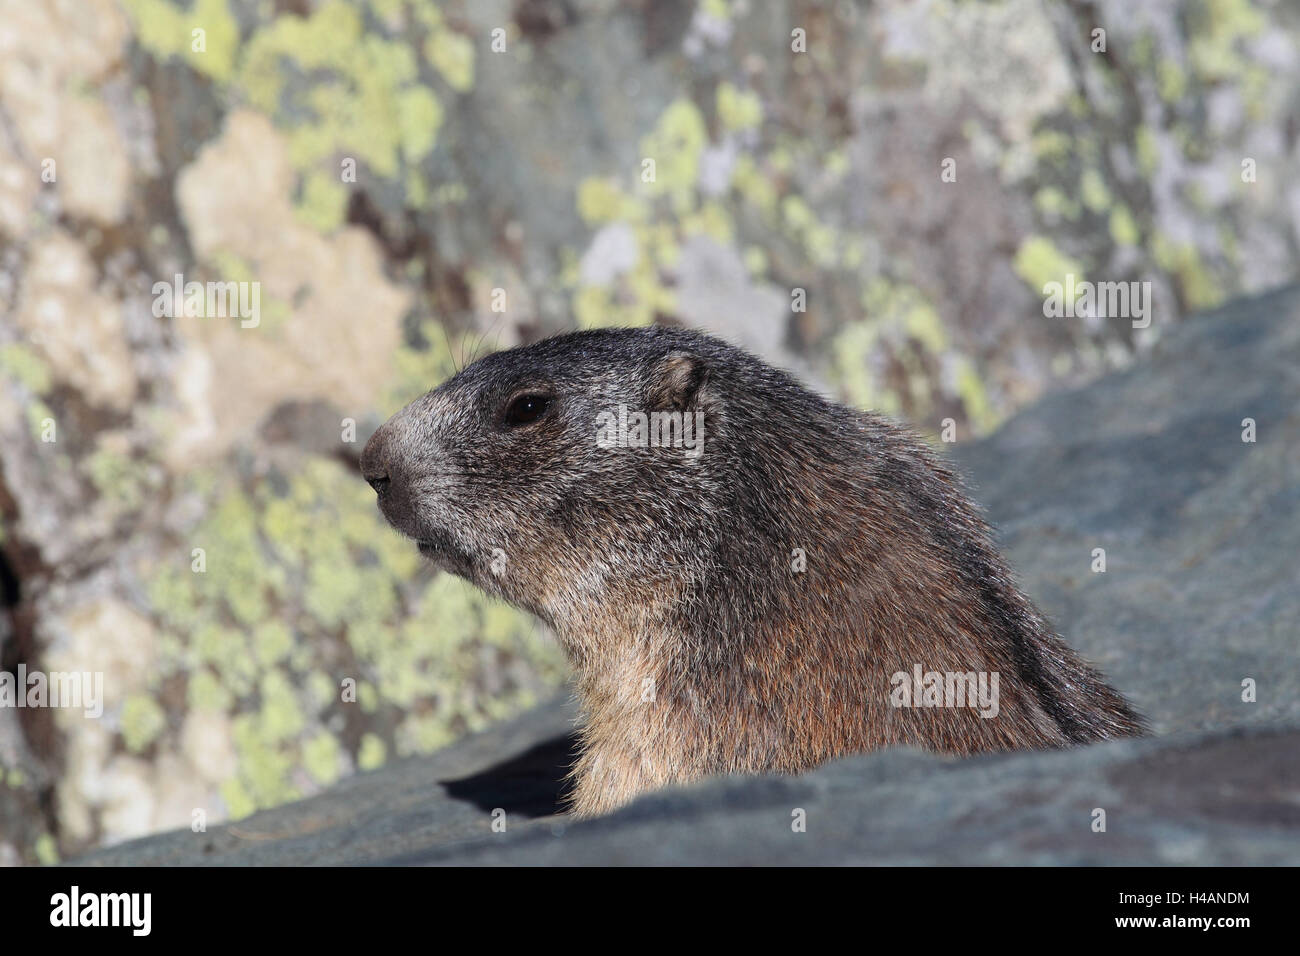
point(374, 463)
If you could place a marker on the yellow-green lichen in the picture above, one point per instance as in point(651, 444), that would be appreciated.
point(1217, 28)
point(428, 659)
point(237, 570)
point(820, 242)
point(836, 164)
point(635, 297)
point(272, 642)
point(417, 370)
point(1146, 151)
point(239, 802)
point(711, 220)
point(797, 214)
point(435, 655)
point(280, 718)
point(1053, 203)
point(372, 753)
point(323, 203)
point(117, 477)
point(46, 849)
point(166, 30)
point(601, 201)
point(738, 109)
point(851, 353)
point(1171, 81)
point(392, 13)
point(143, 719)
point(322, 758)
point(423, 733)
point(264, 765)
point(756, 188)
point(206, 692)
point(1195, 280)
point(1038, 261)
point(716, 9)
point(676, 144)
point(1123, 227)
point(321, 689)
point(22, 364)
point(1093, 190)
point(975, 399)
point(903, 310)
point(362, 95)
point(38, 416)
point(597, 307)
point(452, 55)
point(419, 116)
point(1050, 145)
point(901, 322)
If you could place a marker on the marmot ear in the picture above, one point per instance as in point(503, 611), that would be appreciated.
point(676, 382)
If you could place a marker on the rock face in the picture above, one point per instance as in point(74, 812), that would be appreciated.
point(1195, 618)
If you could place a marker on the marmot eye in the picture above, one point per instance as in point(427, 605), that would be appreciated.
point(526, 408)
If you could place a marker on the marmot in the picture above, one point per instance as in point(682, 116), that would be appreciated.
point(781, 581)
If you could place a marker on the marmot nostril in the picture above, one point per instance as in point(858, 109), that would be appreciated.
point(374, 462)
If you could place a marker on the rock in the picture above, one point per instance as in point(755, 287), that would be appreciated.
point(378, 816)
point(234, 199)
point(1200, 531)
point(77, 329)
point(1217, 798)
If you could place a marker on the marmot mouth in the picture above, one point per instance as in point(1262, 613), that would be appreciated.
point(443, 552)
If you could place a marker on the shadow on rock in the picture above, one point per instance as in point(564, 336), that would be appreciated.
point(533, 784)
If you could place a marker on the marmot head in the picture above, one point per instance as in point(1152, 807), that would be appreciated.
point(534, 474)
